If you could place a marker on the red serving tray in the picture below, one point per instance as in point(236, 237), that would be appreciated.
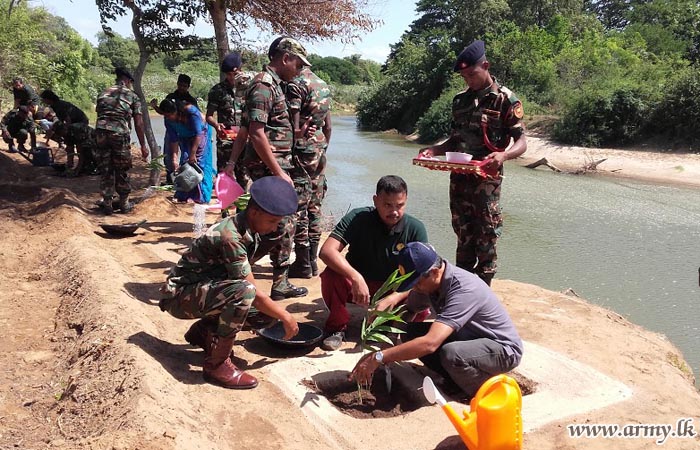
point(472, 167)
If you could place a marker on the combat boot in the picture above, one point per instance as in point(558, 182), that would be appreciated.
point(11, 148)
point(282, 288)
point(106, 206)
point(301, 267)
point(197, 334)
point(313, 258)
point(218, 368)
point(125, 205)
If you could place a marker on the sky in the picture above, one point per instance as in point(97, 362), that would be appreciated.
point(396, 16)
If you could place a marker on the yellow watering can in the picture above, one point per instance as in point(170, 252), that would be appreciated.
point(494, 421)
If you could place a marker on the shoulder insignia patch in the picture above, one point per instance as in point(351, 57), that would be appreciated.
point(518, 110)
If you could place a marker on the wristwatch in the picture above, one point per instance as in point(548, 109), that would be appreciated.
point(379, 357)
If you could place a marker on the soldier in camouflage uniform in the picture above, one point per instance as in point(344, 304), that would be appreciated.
point(309, 99)
point(268, 150)
point(226, 100)
point(18, 124)
point(75, 129)
point(213, 281)
point(115, 108)
point(24, 95)
point(485, 118)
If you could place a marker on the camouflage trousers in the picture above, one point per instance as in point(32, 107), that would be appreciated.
point(309, 222)
point(82, 136)
point(477, 221)
point(230, 300)
point(280, 242)
point(224, 147)
point(113, 155)
point(20, 134)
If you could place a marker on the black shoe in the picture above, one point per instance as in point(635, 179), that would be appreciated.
point(301, 267)
point(288, 290)
point(126, 207)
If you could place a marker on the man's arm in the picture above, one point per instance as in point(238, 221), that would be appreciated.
point(138, 125)
point(440, 149)
point(263, 148)
point(273, 309)
point(236, 151)
point(327, 128)
point(518, 148)
point(331, 255)
point(415, 348)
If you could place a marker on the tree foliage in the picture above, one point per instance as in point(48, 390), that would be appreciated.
point(605, 68)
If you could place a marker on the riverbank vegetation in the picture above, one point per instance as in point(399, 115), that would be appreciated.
point(607, 72)
point(48, 53)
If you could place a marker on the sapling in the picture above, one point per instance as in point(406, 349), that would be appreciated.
point(377, 331)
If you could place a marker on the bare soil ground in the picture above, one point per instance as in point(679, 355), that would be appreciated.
point(88, 360)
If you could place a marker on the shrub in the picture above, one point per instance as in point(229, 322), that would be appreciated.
point(601, 117)
point(677, 116)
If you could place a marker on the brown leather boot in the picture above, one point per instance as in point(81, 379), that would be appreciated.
point(218, 368)
point(197, 334)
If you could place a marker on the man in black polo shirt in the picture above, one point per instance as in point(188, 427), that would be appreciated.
point(374, 235)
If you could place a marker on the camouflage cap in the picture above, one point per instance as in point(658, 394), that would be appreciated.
point(293, 47)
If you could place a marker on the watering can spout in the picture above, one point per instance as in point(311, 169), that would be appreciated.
point(494, 421)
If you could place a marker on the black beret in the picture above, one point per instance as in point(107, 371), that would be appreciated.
point(184, 79)
point(121, 72)
point(274, 196)
point(230, 62)
point(470, 55)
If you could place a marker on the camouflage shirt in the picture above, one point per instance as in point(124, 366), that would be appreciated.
point(311, 97)
point(221, 253)
point(222, 101)
point(26, 96)
point(115, 108)
point(498, 107)
point(12, 123)
point(265, 102)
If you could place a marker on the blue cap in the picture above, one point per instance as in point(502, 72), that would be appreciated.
point(416, 257)
point(230, 62)
point(274, 196)
point(470, 55)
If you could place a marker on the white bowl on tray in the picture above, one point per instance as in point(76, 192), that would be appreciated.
point(458, 157)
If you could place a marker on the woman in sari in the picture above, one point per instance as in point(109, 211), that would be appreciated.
point(194, 139)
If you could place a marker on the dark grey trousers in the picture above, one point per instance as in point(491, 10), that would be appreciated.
point(467, 363)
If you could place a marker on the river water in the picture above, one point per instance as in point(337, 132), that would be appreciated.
point(628, 246)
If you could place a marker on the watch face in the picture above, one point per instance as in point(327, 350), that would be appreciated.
point(379, 356)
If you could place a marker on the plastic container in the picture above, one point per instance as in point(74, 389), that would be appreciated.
point(187, 177)
point(494, 421)
point(227, 191)
point(458, 157)
point(41, 157)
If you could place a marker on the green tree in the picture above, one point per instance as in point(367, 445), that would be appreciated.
point(120, 51)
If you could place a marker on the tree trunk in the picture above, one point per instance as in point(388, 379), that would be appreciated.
point(144, 56)
point(217, 12)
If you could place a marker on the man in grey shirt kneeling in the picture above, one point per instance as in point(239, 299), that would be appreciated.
point(472, 338)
